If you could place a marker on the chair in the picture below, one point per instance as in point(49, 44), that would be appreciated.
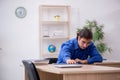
point(52, 60)
point(31, 70)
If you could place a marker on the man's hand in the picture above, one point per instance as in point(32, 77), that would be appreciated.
point(81, 61)
point(70, 61)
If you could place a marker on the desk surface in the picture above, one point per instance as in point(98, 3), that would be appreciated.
point(104, 62)
point(109, 62)
point(84, 69)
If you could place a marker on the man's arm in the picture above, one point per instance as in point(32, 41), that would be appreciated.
point(94, 54)
point(65, 54)
point(81, 61)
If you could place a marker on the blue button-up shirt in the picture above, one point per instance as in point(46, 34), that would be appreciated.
point(71, 50)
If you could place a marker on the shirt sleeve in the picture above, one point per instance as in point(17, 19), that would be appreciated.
point(66, 52)
point(94, 55)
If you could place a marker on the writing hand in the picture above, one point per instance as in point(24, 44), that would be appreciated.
point(70, 61)
point(81, 61)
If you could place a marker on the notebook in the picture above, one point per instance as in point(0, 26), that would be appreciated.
point(68, 65)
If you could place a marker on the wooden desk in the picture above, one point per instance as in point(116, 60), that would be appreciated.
point(86, 72)
point(111, 63)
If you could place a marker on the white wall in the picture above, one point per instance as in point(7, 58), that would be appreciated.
point(19, 38)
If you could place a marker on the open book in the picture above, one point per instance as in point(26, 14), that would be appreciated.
point(68, 65)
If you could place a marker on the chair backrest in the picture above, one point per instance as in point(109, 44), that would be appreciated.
point(52, 60)
point(31, 70)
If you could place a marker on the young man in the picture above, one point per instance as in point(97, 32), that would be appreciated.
point(79, 50)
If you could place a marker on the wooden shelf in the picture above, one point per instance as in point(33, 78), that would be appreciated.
point(55, 30)
point(50, 55)
point(54, 6)
point(55, 37)
point(55, 22)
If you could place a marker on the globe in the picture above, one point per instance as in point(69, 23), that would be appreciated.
point(51, 48)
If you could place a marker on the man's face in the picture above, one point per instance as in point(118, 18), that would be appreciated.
point(83, 42)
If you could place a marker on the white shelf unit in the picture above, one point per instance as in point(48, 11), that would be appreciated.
point(53, 31)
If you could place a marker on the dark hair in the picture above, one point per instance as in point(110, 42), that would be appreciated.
point(85, 33)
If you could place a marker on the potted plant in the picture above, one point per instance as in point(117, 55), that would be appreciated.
point(98, 36)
